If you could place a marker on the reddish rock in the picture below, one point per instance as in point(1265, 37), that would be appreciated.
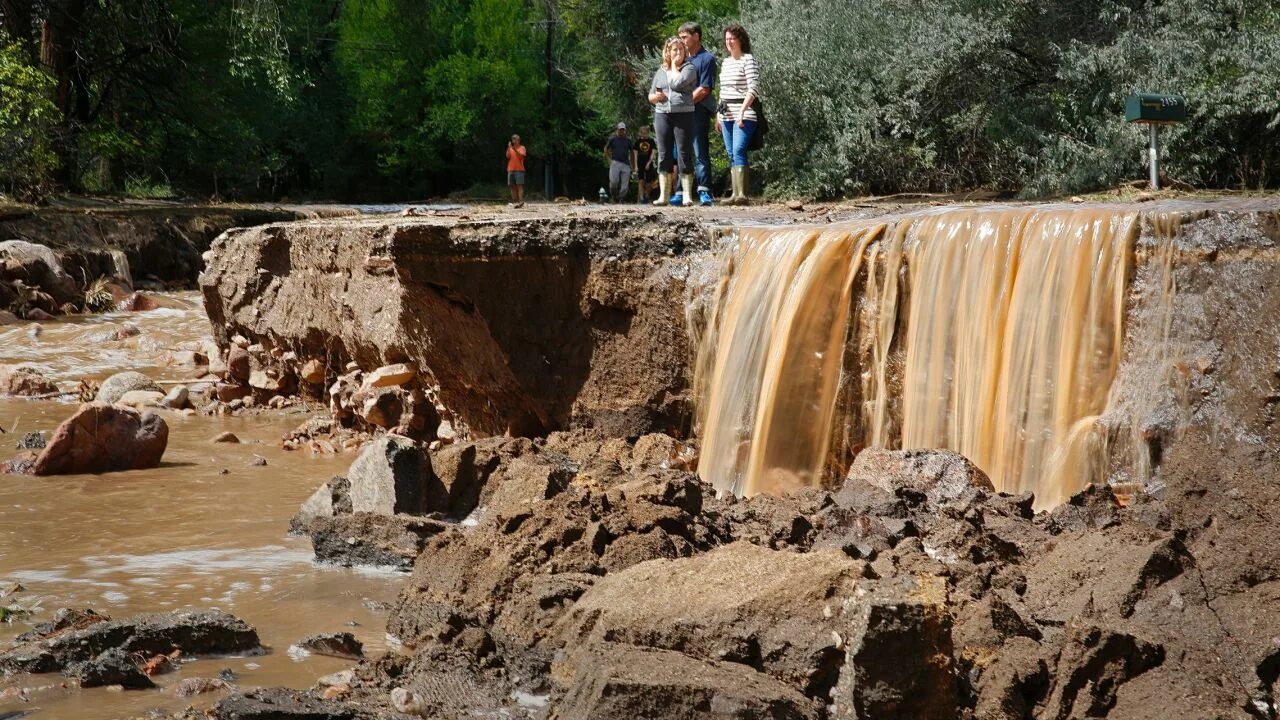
point(238, 363)
point(313, 372)
point(228, 392)
point(104, 438)
point(138, 302)
point(25, 381)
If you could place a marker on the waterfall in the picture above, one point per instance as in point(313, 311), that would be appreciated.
point(120, 265)
point(994, 332)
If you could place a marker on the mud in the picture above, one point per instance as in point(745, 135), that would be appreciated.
point(585, 571)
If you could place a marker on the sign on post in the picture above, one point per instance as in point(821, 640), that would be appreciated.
point(1154, 110)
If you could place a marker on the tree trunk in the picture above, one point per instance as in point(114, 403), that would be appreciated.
point(59, 43)
point(18, 25)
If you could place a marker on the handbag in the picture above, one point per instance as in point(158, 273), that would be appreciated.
point(762, 126)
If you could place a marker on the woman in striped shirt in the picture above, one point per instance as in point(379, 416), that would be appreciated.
point(737, 118)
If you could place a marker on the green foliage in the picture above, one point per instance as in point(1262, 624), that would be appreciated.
point(869, 96)
point(27, 119)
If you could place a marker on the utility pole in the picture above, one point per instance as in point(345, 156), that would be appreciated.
point(549, 167)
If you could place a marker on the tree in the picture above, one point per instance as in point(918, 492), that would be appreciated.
point(27, 117)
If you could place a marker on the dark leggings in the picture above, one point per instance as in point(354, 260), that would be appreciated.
point(674, 129)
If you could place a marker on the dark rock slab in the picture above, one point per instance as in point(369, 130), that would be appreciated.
point(369, 538)
point(340, 645)
point(82, 638)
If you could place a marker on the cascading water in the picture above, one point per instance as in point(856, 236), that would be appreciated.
point(992, 332)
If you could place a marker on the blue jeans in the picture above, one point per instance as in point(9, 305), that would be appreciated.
point(736, 139)
point(702, 121)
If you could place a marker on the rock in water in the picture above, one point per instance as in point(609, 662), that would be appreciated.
point(24, 381)
point(104, 438)
point(101, 651)
point(32, 441)
point(41, 266)
point(114, 387)
point(390, 477)
point(340, 645)
point(141, 399)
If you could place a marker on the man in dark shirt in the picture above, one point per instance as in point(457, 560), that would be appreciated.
point(618, 152)
point(704, 107)
point(643, 166)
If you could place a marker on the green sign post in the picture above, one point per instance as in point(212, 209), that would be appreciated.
point(1154, 110)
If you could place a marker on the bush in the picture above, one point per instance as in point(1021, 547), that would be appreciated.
point(27, 121)
point(868, 96)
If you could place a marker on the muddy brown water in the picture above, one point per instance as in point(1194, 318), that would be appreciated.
point(181, 536)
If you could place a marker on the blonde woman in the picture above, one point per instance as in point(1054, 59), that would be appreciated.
point(671, 95)
point(737, 120)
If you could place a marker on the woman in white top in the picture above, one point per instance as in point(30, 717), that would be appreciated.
point(737, 117)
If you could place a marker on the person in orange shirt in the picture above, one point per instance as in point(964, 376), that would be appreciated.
point(515, 170)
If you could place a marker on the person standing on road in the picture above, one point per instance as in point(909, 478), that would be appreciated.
point(516, 154)
point(704, 106)
point(737, 118)
point(671, 95)
point(617, 151)
point(643, 165)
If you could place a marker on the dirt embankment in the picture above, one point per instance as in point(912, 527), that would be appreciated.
point(516, 327)
point(165, 243)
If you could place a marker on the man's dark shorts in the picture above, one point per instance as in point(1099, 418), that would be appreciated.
point(515, 178)
point(650, 174)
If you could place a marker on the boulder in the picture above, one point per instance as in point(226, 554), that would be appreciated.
point(392, 541)
point(83, 637)
point(225, 437)
point(112, 667)
point(24, 381)
point(114, 387)
point(1103, 573)
point(188, 357)
point(178, 398)
point(199, 685)
point(390, 376)
point(339, 645)
point(1093, 665)
point(898, 653)
point(141, 399)
point(238, 363)
point(390, 476)
point(782, 613)
point(40, 267)
point(329, 500)
point(381, 407)
point(271, 382)
point(312, 372)
point(941, 476)
point(104, 438)
point(462, 472)
point(138, 302)
point(611, 681)
point(230, 392)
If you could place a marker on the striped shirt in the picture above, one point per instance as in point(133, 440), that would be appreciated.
point(737, 78)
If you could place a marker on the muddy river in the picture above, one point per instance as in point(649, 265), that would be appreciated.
point(207, 529)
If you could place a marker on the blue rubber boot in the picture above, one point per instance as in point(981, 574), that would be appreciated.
point(704, 198)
